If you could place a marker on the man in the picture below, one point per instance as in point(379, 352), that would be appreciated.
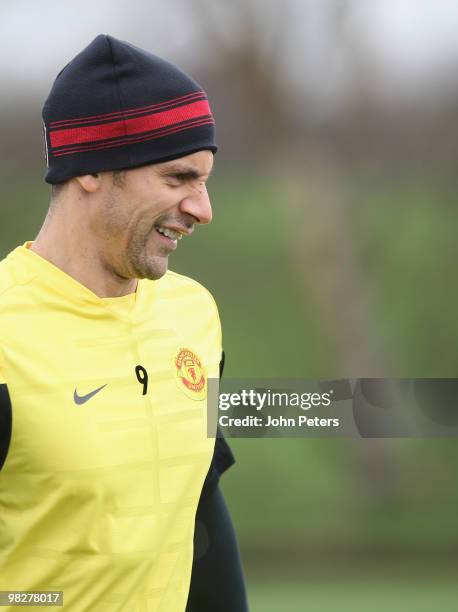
point(105, 355)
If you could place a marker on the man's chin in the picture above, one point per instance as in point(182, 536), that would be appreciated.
point(157, 268)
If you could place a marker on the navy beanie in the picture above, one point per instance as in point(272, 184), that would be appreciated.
point(116, 106)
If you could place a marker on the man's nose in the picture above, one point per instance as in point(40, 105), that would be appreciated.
point(198, 205)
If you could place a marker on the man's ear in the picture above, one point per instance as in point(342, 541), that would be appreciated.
point(90, 182)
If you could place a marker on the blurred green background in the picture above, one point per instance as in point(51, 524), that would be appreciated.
point(332, 254)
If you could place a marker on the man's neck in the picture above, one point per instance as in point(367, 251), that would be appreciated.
point(84, 268)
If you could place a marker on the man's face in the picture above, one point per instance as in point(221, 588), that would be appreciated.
point(145, 211)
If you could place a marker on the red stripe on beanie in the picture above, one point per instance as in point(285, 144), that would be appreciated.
point(130, 111)
point(131, 140)
point(126, 127)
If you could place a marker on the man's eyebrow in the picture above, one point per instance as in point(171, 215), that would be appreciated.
point(186, 173)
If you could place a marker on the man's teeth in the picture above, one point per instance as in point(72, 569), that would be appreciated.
point(172, 234)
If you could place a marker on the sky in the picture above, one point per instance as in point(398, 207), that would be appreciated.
point(415, 41)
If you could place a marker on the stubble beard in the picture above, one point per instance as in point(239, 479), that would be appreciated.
point(142, 263)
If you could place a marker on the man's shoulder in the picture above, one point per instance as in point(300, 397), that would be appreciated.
point(6, 276)
point(12, 284)
point(178, 286)
point(172, 281)
point(11, 275)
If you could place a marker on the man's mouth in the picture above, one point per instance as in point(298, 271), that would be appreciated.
point(169, 233)
point(169, 237)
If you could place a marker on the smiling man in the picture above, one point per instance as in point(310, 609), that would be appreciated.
point(106, 466)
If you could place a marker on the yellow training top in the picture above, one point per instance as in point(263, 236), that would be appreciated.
point(109, 446)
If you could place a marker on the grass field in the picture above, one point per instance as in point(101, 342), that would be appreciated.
point(364, 595)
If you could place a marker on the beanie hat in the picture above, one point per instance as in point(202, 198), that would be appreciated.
point(116, 106)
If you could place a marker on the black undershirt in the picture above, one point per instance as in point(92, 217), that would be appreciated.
point(217, 582)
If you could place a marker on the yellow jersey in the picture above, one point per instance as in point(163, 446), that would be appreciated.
point(108, 447)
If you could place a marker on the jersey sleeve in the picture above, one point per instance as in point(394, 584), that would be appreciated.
point(222, 455)
point(5, 414)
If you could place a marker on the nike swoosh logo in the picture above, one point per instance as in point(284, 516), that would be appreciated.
point(82, 399)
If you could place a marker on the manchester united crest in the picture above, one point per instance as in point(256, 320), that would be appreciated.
point(191, 376)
